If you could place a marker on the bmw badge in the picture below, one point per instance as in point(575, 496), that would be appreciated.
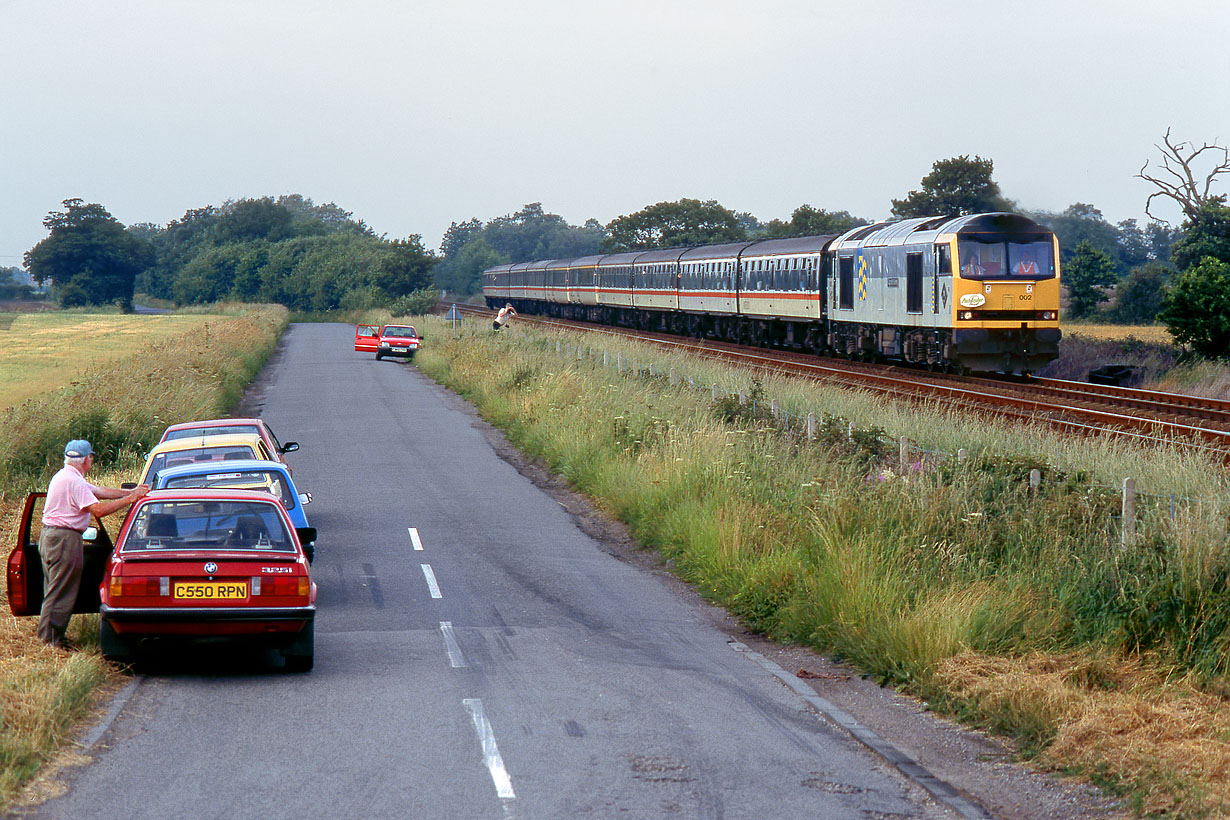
point(211, 568)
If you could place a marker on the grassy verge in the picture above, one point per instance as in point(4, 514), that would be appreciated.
point(1016, 608)
point(122, 407)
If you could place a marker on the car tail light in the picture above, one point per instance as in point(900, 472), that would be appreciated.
point(284, 587)
point(138, 586)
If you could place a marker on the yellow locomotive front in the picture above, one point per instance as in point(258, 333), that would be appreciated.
point(1005, 293)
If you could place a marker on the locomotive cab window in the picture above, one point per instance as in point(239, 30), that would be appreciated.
point(1007, 259)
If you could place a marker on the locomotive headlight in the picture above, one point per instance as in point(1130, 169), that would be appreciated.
point(1049, 315)
point(966, 314)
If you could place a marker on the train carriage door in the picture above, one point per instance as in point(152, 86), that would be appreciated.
point(913, 283)
point(845, 286)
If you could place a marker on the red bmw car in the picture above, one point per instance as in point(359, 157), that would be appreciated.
point(189, 565)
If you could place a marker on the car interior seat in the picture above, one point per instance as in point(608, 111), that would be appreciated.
point(249, 530)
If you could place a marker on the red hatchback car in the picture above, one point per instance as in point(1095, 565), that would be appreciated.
point(189, 565)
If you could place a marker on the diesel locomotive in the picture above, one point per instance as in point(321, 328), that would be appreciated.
point(977, 293)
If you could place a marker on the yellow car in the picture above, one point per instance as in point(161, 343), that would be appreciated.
point(204, 449)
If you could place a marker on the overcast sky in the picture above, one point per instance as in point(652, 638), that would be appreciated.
point(413, 115)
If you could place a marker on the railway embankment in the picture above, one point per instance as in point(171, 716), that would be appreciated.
point(986, 567)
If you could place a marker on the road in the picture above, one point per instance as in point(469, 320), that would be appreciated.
point(477, 656)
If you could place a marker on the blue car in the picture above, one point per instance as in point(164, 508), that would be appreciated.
point(272, 477)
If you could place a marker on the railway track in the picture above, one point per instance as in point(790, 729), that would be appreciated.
point(1076, 407)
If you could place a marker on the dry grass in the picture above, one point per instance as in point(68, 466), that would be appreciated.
point(1155, 334)
point(1163, 741)
point(43, 351)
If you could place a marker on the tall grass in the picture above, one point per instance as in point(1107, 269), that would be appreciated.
point(122, 407)
point(902, 569)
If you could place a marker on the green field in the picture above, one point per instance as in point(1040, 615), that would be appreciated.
point(43, 351)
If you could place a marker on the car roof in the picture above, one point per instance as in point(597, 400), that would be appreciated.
point(210, 494)
point(215, 423)
point(233, 465)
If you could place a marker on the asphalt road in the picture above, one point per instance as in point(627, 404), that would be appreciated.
point(477, 656)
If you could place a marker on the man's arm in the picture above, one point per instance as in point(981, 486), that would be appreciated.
point(118, 502)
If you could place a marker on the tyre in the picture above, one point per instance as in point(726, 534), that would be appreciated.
point(300, 653)
point(114, 648)
point(379, 356)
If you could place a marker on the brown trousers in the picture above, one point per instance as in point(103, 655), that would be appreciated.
point(63, 557)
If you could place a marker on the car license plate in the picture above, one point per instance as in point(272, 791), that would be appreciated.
point(399, 350)
point(211, 592)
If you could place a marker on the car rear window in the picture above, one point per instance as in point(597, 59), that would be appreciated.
point(269, 481)
point(208, 526)
point(212, 430)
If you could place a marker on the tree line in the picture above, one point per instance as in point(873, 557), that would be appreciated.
point(313, 257)
point(288, 250)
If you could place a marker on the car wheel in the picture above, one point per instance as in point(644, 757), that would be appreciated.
point(114, 648)
point(379, 357)
point(300, 653)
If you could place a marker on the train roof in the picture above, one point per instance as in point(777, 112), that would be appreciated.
point(724, 251)
point(789, 246)
point(587, 261)
point(670, 255)
point(624, 258)
point(559, 264)
point(925, 229)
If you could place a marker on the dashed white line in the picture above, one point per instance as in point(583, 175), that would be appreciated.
point(491, 754)
point(450, 645)
point(432, 586)
point(414, 539)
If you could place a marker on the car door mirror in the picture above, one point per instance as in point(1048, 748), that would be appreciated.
point(90, 534)
point(289, 447)
point(305, 498)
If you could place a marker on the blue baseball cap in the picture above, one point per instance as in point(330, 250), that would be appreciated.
point(78, 448)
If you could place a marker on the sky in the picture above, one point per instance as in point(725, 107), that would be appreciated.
point(414, 115)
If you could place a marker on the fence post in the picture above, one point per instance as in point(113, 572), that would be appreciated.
point(605, 359)
point(775, 409)
point(557, 346)
point(962, 455)
point(811, 426)
point(850, 431)
point(903, 453)
point(716, 392)
point(742, 397)
point(653, 370)
point(1128, 530)
point(674, 377)
point(619, 362)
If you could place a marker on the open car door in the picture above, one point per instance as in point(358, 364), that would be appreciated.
point(25, 568)
point(366, 338)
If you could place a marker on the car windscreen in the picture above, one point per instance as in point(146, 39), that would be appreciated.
point(208, 525)
point(269, 481)
point(401, 332)
point(212, 430)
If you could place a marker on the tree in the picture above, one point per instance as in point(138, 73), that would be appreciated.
point(1177, 179)
point(89, 256)
point(809, 221)
point(458, 235)
point(1197, 308)
point(462, 272)
point(1139, 297)
point(404, 267)
point(1086, 275)
point(1206, 234)
point(674, 225)
point(954, 187)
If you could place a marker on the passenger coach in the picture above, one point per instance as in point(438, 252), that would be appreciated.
point(972, 293)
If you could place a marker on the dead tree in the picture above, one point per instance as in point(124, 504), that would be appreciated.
point(1177, 180)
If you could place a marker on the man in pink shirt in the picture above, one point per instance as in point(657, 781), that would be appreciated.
point(71, 500)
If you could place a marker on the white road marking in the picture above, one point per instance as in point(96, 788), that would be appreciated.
point(414, 538)
point(491, 754)
point(450, 645)
point(432, 586)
